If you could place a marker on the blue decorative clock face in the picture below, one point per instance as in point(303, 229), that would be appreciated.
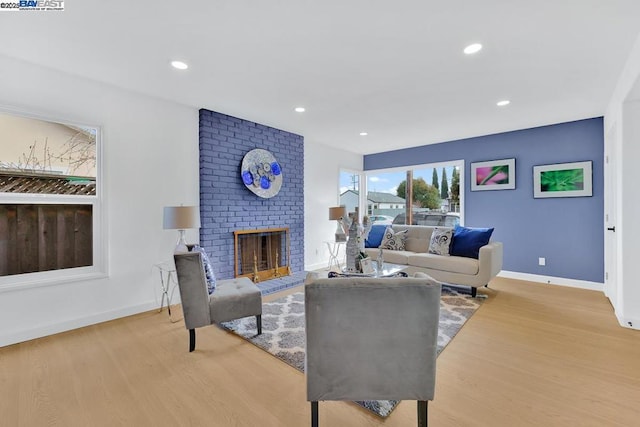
point(261, 173)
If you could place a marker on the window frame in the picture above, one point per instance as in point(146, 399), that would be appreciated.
point(99, 237)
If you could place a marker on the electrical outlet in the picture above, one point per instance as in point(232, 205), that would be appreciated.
point(542, 261)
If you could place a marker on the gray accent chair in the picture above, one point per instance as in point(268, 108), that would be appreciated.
point(372, 339)
point(232, 299)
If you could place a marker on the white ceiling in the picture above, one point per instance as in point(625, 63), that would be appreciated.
point(394, 69)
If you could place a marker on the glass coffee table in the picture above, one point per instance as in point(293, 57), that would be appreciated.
point(388, 270)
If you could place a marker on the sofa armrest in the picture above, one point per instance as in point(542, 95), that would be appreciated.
point(490, 260)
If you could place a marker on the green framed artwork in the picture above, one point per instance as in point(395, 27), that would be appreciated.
point(563, 180)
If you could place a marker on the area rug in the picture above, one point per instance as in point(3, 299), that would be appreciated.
point(283, 331)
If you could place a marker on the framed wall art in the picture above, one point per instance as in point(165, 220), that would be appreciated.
point(493, 175)
point(261, 173)
point(563, 180)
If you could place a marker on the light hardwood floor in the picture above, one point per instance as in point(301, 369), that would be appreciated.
point(532, 355)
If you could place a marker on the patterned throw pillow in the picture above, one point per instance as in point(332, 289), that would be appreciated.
point(393, 240)
point(208, 270)
point(440, 241)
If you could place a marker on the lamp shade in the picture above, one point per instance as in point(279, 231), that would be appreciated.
point(181, 217)
point(337, 212)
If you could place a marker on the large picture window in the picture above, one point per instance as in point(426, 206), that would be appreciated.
point(50, 199)
point(423, 195)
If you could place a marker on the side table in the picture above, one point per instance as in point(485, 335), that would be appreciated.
point(334, 253)
point(167, 275)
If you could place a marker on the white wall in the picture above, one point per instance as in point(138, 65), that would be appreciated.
point(150, 150)
point(623, 114)
point(322, 166)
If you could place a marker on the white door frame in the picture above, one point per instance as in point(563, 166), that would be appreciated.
point(610, 216)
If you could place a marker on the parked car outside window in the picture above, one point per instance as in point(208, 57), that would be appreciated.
point(450, 219)
point(381, 219)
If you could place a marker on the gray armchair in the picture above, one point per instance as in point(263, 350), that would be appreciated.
point(232, 299)
point(371, 339)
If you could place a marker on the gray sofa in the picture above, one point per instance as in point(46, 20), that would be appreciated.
point(448, 269)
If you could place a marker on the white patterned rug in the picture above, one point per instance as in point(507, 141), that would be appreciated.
point(283, 331)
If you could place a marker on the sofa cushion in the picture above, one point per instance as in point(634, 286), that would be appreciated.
point(468, 241)
point(453, 264)
point(397, 257)
point(374, 239)
point(417, 237)
point(393, 240)
point(440, 241)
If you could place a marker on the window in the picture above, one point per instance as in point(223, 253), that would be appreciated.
point(349, 191)
point(435, 188)
point(451, 221)
point(385, 188)
point(50, 200)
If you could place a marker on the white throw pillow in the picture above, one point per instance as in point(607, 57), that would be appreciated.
point(393, 240)
point(440, 241)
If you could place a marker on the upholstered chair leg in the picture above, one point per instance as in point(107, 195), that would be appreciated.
point(422, 413)
point(474, 292)
point(259, 323)
point(192, 340)
point(314, 414)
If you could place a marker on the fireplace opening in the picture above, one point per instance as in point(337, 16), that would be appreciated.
point(262, 254)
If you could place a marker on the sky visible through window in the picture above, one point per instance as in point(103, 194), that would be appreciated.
point(387, 182)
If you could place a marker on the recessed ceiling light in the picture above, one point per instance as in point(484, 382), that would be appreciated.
point(179, 65)
point(503, 103)
point(363, 134)
point(472, 48)
point(299, 109)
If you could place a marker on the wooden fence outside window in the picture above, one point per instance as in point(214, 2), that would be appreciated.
point(43, 237)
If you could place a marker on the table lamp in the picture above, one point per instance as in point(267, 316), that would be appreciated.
point(181, 218)
point(337, 213)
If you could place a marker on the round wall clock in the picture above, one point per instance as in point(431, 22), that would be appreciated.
point(261, 173)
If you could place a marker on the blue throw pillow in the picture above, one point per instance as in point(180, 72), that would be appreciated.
point(375, 236)
point(208, 270)
point(468, 241)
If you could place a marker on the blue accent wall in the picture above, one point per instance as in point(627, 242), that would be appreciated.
point(227, 205)
point(568, 232)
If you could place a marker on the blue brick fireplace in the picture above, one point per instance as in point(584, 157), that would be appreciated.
point(226, 205)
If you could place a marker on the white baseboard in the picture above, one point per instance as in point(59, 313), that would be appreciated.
point(317, 266)
point(627, 322)
point(551, 280)
point(55, 328)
